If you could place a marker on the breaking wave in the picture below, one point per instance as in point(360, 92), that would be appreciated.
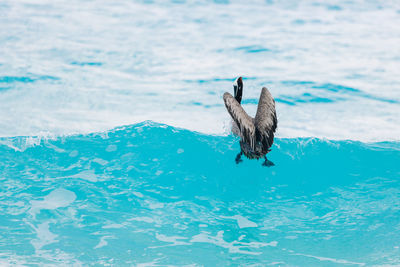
point(153, 194)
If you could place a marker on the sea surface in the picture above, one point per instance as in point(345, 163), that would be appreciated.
point(115, 145)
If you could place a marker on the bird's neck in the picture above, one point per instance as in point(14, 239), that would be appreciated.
point(238, 98)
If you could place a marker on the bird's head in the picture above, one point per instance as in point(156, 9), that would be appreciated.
point(238, 89)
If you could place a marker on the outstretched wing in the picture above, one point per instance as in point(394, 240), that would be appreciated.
point(265, 120)
point(243, 121)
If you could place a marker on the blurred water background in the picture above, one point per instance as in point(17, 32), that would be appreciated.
point(85, 66)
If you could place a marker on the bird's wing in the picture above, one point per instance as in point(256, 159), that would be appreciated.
point(265, 120)
point(243, 121)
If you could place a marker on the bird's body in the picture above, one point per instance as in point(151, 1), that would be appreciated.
point(256, 134)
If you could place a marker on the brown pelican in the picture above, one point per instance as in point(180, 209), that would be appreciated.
point(256, 134)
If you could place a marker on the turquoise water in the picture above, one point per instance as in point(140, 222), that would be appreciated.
point(154, 194)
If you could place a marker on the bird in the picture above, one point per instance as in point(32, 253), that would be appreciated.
point(256, 134)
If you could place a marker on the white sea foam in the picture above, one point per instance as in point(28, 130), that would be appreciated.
point(338, 261)
point(88, 175)
point(235, 246)
point(57, 198)
point(103, 242)
point(242, 222)
point(175, 240)
point(44, 236)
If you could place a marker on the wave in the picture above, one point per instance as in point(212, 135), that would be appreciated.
point(151, 193)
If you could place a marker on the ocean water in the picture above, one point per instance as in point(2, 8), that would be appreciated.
point(115, 148)
point(153, 194)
